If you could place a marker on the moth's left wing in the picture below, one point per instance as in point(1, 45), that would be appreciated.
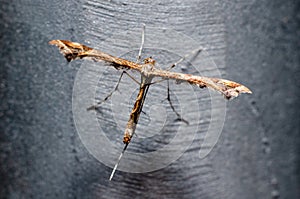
point(229, 89)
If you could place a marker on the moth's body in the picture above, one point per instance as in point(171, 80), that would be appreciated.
point(139, 102)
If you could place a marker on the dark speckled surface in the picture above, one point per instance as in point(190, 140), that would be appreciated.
point(254, 42)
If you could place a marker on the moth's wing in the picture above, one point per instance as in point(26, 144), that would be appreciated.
point(229, 89)
point(70, 50)
point(73, 50)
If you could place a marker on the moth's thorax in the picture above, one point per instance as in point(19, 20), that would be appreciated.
point(148, 66)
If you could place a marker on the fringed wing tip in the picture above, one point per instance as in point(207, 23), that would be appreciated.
point(53, 42)
point(65, 48)
point(58, 43)
point(234, 92)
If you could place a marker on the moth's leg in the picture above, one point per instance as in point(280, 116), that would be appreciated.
point(179, 118)
point(142, 44)
point(158, 81)
point(93, 107)
point(131, 77)
point(194, 52)
point(155, 82)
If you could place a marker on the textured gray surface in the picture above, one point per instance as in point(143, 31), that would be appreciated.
point(254, 42)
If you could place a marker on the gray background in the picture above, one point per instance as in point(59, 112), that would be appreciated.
point(257, 155)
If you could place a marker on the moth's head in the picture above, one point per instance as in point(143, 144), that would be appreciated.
point(149, 60)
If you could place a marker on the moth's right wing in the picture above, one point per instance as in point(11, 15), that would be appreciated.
point(73, 50)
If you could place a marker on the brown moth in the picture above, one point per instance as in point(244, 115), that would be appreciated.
point(72, 50)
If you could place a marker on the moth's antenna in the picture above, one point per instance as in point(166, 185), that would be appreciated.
point(117, 164)
point(142, 45)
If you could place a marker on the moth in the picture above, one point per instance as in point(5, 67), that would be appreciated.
point(72, 51)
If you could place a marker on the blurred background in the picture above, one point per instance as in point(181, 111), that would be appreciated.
point(255, 42)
